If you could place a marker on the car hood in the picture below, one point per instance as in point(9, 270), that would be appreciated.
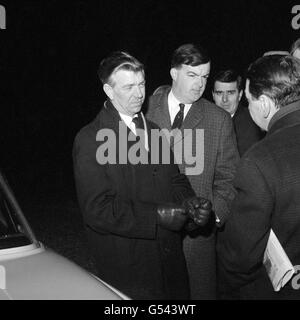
point(43, 274)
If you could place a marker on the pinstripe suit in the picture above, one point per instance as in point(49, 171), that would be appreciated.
point(214, 183)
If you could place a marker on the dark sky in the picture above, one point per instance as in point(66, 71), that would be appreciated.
point(50, 51)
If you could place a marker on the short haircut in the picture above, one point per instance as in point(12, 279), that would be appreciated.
point(277, 77)
point(295, 45)
point(189, 54)
point(229, 75)
point(116, 61)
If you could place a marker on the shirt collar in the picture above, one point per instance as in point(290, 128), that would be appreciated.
point(173, 101)
point(128, 121)
point(126, 118)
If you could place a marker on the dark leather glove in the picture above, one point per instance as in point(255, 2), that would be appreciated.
point(198, 210)
point(171, 216)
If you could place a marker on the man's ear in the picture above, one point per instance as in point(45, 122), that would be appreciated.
point(173, 73)
point(108, 90)
point(265, 105)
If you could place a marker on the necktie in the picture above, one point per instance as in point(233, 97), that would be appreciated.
point(138, 121)
point(139, 124)
point(179, 117)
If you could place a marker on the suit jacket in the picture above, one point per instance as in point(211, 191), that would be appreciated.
point(247, 132)
point(220, 157)
point(119, 206)
point(268, 185)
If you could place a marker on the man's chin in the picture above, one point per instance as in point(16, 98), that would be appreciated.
point(137, 109)
point(226, 108)
point(197, 96)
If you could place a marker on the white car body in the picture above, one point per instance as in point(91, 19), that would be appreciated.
point(29, 271)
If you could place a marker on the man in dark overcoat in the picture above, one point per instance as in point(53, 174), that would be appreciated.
point(133, 207)
point(267, 184)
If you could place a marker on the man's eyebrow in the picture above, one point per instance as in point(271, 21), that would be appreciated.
point(192, 72)
point(197, 74)
point(231, 90)
point(133, 84)
point(128, 85)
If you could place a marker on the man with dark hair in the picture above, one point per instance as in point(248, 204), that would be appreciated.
point(182, 107)
point(267, 183)
point(227, 94)
point(133, 210)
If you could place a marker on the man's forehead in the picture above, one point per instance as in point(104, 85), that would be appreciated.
point(201, 69)
point(225, 86)
point(127, 76)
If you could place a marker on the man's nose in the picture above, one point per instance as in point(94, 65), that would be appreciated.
point(224, 97)
point(200, 82)
point(139, 92)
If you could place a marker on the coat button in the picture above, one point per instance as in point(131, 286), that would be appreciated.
point(167, 250)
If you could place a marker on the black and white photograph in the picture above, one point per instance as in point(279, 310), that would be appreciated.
point(150, 151)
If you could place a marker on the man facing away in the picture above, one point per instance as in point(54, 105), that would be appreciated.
point(227, 94)
point(133, 209)
point(190, 68)
point(267, 184)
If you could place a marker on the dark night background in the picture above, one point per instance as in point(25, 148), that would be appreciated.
point(49, 54)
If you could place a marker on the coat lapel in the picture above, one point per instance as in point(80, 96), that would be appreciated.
point(194, 116)
point(163, 115)
point(109, 119)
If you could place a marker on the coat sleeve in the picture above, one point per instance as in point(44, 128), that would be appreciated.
point(104, 210)
point(225, 169)
point(246, 232)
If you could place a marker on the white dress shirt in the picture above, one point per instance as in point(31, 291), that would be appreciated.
point(131, 125)
point(173, 104)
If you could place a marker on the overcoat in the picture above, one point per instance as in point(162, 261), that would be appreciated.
point(119, 207)
point(268, 185)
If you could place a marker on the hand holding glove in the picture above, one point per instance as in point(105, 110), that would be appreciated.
point(171, 216)
point(198, 210)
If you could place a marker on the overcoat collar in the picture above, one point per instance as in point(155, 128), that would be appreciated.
point(287, 116)
point(108, 116)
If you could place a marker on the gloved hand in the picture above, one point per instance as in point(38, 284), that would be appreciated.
point(198, 210)
point(171, 216)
